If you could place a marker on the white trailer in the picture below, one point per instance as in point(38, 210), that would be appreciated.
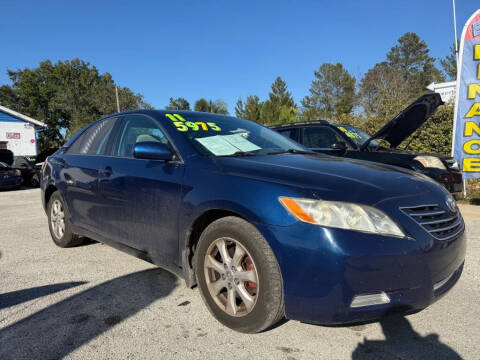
point(18, 132)
point(19, 138)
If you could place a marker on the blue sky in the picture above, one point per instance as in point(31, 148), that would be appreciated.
point(219, 49)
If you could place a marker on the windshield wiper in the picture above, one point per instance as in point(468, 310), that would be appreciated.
point(291, 151)
point(239, 153)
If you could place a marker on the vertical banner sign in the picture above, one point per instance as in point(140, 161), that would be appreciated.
point(466, 131)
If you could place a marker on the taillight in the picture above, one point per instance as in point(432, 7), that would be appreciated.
point(44, 165)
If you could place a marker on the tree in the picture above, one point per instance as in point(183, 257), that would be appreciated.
point(280, 96)
point(411, 58)
point(201, 105)
point(391, 85)
point(383, 92)
point(178, 104)
point(332, 93)
point(239, 109)
point(212, 106)
point(435, 136)
point(280, 106)
point(251, 110)
point(66, 96)
point(449, 64)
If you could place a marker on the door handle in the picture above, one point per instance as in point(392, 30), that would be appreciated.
point(68, 179)
point(107, 171)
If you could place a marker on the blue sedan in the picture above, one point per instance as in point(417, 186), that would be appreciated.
point(266, 228)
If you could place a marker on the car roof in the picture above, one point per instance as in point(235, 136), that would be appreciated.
point(153, 112)
point(300, 124)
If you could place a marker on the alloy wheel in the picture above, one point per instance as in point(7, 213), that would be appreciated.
point(231, 276)
point(57, 219)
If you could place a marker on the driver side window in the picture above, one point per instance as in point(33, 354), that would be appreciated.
point(136, 129)
point(320, 137)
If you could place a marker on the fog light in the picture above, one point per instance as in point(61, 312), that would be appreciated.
point(370, 299)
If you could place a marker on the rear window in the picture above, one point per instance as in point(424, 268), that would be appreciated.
point(94, 139)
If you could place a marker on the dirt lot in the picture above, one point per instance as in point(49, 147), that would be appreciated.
point(93, 302)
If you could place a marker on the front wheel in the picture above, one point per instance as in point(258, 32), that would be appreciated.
point(238, 276)
point(59, 224)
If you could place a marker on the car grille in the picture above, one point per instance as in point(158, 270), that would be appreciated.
point(439, 223)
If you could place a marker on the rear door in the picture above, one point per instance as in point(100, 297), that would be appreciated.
point(141, 198)
point(81, 165)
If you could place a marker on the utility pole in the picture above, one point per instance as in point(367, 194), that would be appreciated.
point(116, 95)
point(455, 30)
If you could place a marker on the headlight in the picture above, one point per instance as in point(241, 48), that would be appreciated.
point(430, 162)
point(342, 215)
point(18, 172)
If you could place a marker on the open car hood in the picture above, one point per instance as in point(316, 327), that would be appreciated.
point(408, 121)
point(6, 156)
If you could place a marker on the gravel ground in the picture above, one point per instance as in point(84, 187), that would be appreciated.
point(94, 302)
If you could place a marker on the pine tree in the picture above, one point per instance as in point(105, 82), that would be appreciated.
point(332, 93)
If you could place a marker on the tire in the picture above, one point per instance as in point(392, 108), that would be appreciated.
point(64, 238)
point(35, 181)
point(253, 276)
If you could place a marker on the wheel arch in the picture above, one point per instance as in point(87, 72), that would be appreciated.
point(193, 235)
point(48, 193)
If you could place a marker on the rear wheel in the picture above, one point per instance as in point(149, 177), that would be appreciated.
point(238, 276)
point(59, 224)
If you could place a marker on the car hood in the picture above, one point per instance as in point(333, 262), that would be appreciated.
point(6, 156)
point(408, 121)
point(330, 177)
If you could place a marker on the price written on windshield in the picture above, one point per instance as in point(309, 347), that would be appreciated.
point(183, 125)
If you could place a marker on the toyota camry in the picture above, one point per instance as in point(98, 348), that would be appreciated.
point(263, 226)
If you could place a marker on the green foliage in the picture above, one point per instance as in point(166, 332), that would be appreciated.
point(435, 136)
point(251, 110)
point(178, 104)
point(239, 109)
point(280, 106)
point(211, 106)
point(66, 96)
point(332, 93)
point(70, 94)
point(410, 57)
point(391, 85)
point(449, 64)
point(383, 92)
point(201, 105)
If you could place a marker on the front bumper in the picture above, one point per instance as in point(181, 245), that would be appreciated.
point(324, 269)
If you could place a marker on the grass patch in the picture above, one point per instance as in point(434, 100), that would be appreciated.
point(473, 193)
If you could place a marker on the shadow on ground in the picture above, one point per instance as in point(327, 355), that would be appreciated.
point(65, 326)
point(21, 296)
point(403, 342)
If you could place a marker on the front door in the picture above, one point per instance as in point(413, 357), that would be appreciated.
point(321, 139)
point(141, 197)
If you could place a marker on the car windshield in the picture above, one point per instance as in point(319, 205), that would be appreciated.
point(229, 136)
point(356, 135)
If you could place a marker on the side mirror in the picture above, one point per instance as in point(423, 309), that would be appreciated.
point(152, 150)
point(340, 146)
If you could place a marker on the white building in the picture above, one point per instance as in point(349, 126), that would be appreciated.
point(18, 132)
point(447, 90)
